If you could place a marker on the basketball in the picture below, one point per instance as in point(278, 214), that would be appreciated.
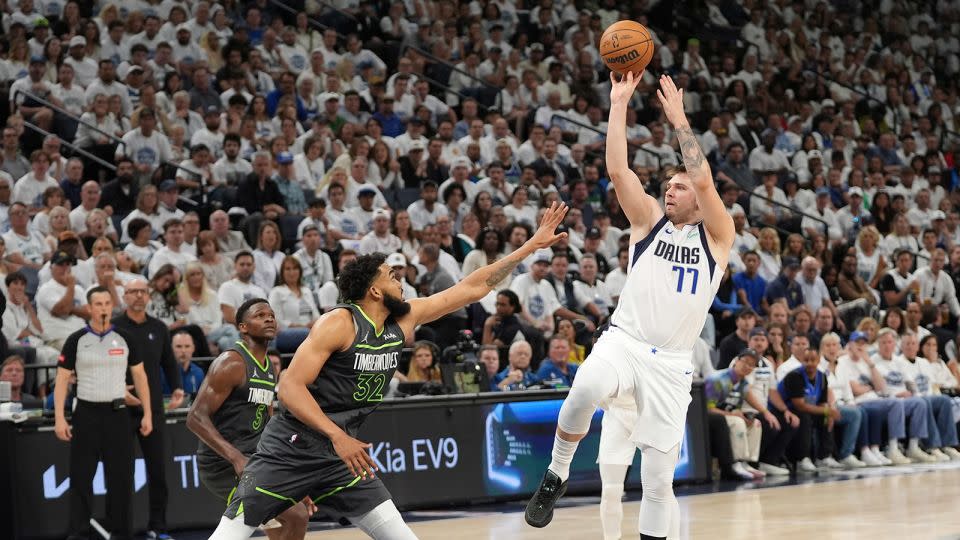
point(626, 46)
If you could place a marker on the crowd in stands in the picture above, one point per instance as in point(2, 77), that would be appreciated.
point(236, 149)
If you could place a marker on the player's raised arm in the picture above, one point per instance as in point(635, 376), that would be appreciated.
point(717, 221)
point(481, 281)
point(226, 373)
point(641, 209)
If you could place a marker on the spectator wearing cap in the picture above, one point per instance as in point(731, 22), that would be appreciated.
point(84, 67)
point(61, 306)
point(537, 295)
point(592, 245)
point(168, 195)
point(34, 84)
point(735, 342)
point(413, 134)
point(390, 123)
point(106, 84)
point(459, 174)
point(921, 215)
point(210, 134)
point(379, 239)
point(785, 287)
point(828, 226)
point(726, 392)
point(813, 167)
point(284, 177)
point(363, 214)
point(399, 263)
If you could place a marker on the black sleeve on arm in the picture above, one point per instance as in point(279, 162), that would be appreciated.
point(168, 362)
point(68, 354)
point(793, 384)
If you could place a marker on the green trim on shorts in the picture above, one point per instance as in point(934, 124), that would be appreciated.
point(334, 491)
point(240, 509)
point(276, 496)
point(231, 494)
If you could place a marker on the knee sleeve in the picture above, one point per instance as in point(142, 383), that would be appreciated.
point(384, 523)
point(232, 529)
point(611, 495)
point(658, 505)
point(596, 381)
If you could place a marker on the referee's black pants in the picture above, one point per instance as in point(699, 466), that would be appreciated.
point(152, 447)
point(100, 432)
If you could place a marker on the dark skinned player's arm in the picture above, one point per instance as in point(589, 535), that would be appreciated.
point(482, 280)
point(226, 373)
point(333, 332)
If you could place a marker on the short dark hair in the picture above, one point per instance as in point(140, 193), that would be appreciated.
point(15, 277)
point(96, 290)
point(243, 253)
point(135, 226)
point(357, 276)
point(513, 299)
point(245, 307)
point(172, 222)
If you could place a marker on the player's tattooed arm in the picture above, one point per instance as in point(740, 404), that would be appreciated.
point(693, 157)
point(501, 273)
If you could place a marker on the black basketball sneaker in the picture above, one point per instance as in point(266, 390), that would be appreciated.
point(540, 508)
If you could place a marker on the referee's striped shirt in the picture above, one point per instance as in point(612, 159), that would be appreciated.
point(100, 361)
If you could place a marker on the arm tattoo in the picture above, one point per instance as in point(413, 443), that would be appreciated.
point(690, 149)
point(501, 273)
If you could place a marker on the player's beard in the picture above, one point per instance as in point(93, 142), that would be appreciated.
point(396, 306)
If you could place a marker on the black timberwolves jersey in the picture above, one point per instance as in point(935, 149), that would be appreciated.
point(352, 383)
point(245, 412)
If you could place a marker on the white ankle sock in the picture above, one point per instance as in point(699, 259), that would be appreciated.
point(562, 456)
point(914, 444)
point(893, 445)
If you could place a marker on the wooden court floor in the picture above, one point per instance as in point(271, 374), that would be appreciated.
point(918, 506)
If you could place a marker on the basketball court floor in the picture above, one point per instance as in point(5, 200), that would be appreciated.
point(914, 502)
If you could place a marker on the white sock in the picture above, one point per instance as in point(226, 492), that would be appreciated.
point(232, 529)
point(562, 456)
point(893, 445)
point(914, 444)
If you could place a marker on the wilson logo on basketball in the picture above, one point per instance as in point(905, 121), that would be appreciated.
point(623, 58)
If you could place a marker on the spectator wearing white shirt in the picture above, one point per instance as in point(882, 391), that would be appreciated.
point(172, 252)
point(831, 229)
point(536, 294)
point(25, 246)
point(29, 188)
point(84, 68)
point(268, 255)
point(763, 211)
point(147, 147)
point(295, 307)
point(315, 264)
point(936, 286)
point(230, 169)
point(380, 239)
point(815, 293)
point(942, 427)
point(106, 84)
point(591, 287)
point(426, 209)
point(766, 157)
point(898, 384)
point(656, 153)
point(238, 290)
point(89, 201)
point(61, 306)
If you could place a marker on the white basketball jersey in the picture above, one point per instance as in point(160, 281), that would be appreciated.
point(671, 283)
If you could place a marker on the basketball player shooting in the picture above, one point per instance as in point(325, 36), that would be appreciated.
point(678, 254)
point(335, 380)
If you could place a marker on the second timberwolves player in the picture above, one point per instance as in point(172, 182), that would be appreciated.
point(337, 378)
point(678, 254)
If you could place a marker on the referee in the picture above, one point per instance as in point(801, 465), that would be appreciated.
point(99, 354)
point(156, 353)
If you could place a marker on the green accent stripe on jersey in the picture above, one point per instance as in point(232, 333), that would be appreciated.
point(261, 381)
point(334, 491)
point(274, 495)
point(377, 347)
point(266, 362)
point(230, 495)
point(369, 320)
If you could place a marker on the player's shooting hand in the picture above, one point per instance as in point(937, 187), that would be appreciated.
point(545, 235)
point(354, 455)
point(672, 100)
point(622, 90)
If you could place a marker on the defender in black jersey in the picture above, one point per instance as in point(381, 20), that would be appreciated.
point(337, 378)
point(233, 406)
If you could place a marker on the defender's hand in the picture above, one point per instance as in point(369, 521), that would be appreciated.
point(545, 237)
point(672, 100)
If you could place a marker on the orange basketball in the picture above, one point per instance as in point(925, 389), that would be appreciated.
point(626, 46)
